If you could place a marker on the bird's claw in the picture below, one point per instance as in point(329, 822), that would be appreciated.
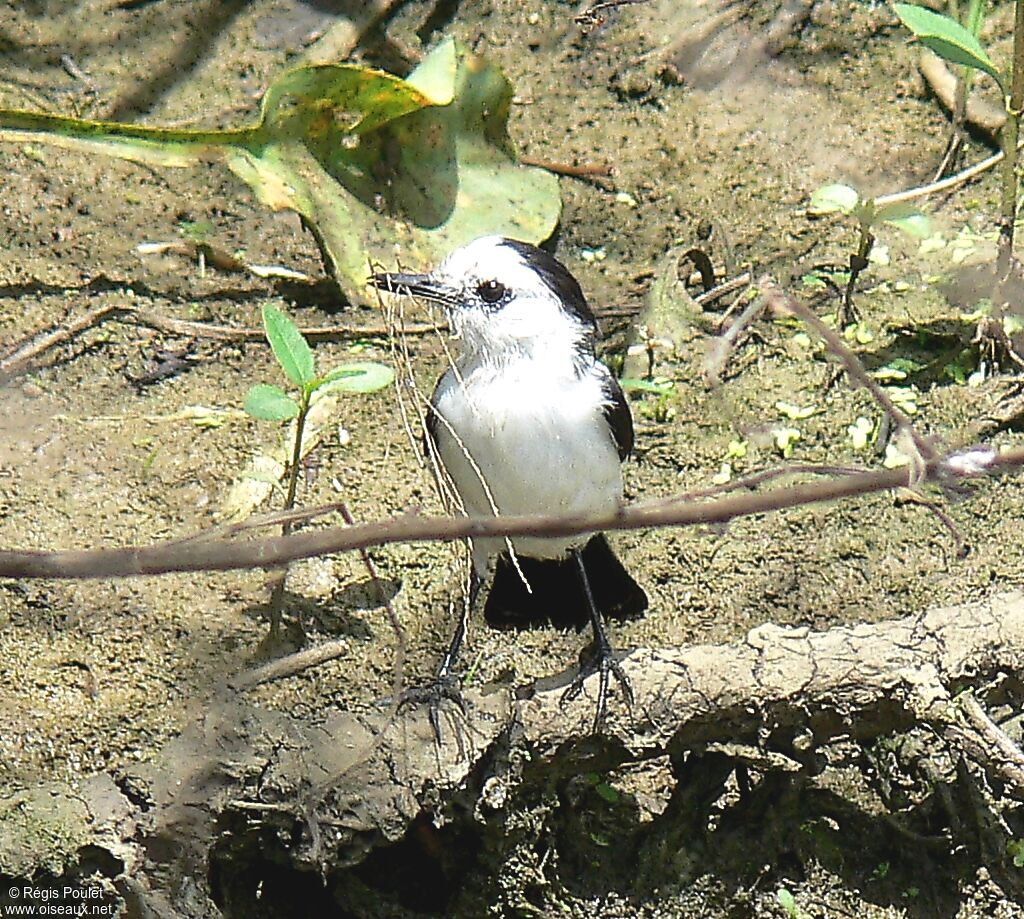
point(444, 687)
point(602, 662)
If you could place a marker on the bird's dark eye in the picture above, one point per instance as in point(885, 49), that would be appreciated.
point(490, 291)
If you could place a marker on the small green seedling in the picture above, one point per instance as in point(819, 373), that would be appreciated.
point(788, 902)
point(869, 213)
point(271, 403)
point(661, 409)
point(952, 42)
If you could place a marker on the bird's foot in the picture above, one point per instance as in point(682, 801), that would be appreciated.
point(601, 661)
point(444, 687)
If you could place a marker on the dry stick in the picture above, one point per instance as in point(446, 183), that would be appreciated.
point(777, 299)
point(16, 360)
point(696, 36)
point(946, 520)
point(1008, 138)
point(584, 171)
point(291, 664)
point(856, 372)
point(925, 450)
point(726, 287)
point(934, 188)
point(591, 16)
point(943, 82)
point(342, 38)
point(269, 519)
point(270, 552)
point(718, 354)
point(190, 329)
point(767, 475)
point(983, 741)
point(20, 358)
point(395, 624)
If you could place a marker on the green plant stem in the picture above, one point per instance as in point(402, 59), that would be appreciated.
point(858, 262)
point(277, 594)
point(1009, 136)
point(293, 469)
point(975, 13)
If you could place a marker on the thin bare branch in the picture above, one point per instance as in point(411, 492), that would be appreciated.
point(291, 664)
point(229, 555)
point(24, 355)
point(859, 377)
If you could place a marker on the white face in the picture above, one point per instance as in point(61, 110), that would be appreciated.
point(513, 301)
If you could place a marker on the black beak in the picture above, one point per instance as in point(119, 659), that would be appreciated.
point(416, 285)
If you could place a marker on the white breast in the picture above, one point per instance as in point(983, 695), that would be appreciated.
point(527, 442)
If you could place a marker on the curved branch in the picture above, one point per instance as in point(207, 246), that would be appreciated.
point(198, 554)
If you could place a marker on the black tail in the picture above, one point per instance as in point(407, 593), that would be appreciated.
point(557, 595)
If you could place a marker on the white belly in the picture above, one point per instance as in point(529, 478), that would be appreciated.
point(533, 445)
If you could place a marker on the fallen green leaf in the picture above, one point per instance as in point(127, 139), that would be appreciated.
point(737, 449)
point(1012, 325)
point(785, 439)
point(916, 225)
point(831, 199)
point(369, 160)
point(860, 432)
point(795, 412)
point(659, 385)
point(859, 332)
point(894, 457)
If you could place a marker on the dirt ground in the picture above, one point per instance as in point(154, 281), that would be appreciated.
point(730, 127)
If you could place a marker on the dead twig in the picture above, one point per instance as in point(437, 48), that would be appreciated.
point(579, 171)
point(188, 328)
point(592, 16)
point(784, 304)
point(984, 742)
point(291, 664)
point(723, 346)
point(979, 114)
point(271, 552)
point(859, 377)
point(342, 38)
point(392, 616)
point(23, 355)
point(726, 287)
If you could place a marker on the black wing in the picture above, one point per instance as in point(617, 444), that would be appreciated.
point(431, 423)
point(618, 415)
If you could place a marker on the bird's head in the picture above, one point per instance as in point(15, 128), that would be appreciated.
point(505, 299)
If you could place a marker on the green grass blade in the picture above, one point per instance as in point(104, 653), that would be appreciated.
point(947, 38)
point(290, 348)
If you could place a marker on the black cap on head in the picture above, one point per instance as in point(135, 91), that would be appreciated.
point(558, 279)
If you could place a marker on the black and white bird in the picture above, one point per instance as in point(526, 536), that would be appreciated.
point(527, 420)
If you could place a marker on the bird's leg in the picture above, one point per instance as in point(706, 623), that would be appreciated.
point(601, 661)
point(445, 684)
